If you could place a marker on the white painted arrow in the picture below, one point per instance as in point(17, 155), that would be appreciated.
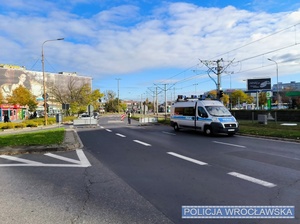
point(82, 162)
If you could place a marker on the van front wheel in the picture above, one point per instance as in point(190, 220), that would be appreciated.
point(208, 130)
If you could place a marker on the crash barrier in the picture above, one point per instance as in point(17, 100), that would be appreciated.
point(144, 120)
point(85, 122)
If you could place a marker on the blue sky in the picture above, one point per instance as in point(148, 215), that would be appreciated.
point(149, 44)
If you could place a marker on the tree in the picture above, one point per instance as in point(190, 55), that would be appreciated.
point(213, 95)
point(95, 96)
point(111, 101)
point(1, 97)
point(78, 95)
point(225, 99)
point(262, 98)
point(23, 97)
point(238, 96)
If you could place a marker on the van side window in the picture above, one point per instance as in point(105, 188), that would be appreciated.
point(202, 112)
point(185, 111)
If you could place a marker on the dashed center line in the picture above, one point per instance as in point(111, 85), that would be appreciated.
point(142, 143)
point(224, 143)
point(252, 179)
point(235, 174)
point(118, 134)
point(187, 158)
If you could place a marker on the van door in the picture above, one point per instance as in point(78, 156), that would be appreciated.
point(201, 118)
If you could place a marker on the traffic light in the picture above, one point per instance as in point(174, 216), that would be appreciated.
point(220, 94)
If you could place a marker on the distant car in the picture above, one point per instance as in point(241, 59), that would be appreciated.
point(86, 116)
point(101, 110)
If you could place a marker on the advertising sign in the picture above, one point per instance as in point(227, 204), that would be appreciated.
point(10, 79)
point(259, 84)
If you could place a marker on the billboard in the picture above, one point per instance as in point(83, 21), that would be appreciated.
point(11, 78)
point(259, 84)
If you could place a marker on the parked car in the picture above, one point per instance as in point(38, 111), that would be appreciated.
point(86, 116)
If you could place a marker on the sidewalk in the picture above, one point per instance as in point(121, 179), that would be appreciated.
point(71, 141)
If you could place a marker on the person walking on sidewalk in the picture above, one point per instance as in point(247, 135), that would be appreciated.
point(129, 117)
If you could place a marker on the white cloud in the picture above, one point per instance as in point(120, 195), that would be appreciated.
point(120, 41)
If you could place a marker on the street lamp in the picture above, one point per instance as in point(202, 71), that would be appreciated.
point(118, 79)
point(44, 82)
point(277, 81)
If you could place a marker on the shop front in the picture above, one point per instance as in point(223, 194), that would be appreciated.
point(12, 112)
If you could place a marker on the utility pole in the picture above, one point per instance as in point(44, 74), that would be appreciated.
point(166, 103)
point(153, 95)
point(156, 101)
point(217, 68)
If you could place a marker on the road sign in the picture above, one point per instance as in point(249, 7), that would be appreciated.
point(269, 94)
point(90, 109)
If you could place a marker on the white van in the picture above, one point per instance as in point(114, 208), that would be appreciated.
point(208, 116)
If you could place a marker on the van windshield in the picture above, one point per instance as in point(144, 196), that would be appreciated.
point(218, 111)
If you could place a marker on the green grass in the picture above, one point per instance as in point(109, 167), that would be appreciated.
point(46, 137)
point(271, 129)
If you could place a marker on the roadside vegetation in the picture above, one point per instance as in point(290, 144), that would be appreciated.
point(45, 137)
point(271, 129)
point(36, 122)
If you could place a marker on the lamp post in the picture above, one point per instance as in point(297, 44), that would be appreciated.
point(277, 81)
point(44, 82)
point(118, 79)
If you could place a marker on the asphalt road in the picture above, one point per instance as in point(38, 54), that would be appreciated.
point(171, 169)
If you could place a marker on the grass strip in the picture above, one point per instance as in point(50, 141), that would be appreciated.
point(271, 129)
point(45, 137)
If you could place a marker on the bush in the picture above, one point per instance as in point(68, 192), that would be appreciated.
point(35, 122)
point(20, 125)
point(30, 123)
point(8, 125)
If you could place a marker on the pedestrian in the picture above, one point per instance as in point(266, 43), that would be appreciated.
point(6, 118)
point(129, 117)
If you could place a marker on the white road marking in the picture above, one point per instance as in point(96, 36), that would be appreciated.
point(187, 158)
point(19, 159)
point(168, 133)
point(83, 161)
point(115, 121)
point(82, 158)
point(63, 158)
point(224, 143)
point(118, 134)
point(142, 143)
point(108, 130)
point(252, 179)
